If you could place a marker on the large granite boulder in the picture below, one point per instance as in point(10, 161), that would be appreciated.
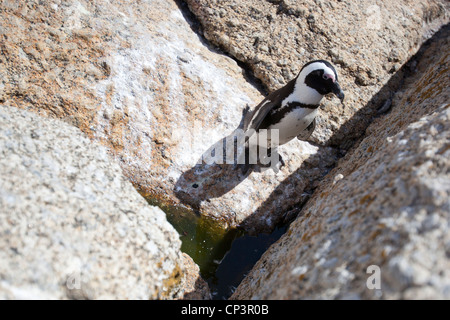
point(72, 226)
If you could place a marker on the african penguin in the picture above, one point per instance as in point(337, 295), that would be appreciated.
point(292, 109)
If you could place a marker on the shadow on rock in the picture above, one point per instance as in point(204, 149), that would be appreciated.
point(215, 173)
point(204, 181)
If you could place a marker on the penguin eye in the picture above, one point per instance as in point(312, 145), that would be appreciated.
point(327, 76)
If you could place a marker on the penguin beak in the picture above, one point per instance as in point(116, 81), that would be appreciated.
point(338, 91)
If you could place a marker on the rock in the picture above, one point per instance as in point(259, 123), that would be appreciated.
point(195, 288)
point(382, 212)
point(71, 225)
point(136, 77)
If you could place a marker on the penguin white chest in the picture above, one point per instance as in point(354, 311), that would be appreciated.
point(293, 123)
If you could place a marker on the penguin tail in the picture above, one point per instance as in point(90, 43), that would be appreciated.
point(246, 117)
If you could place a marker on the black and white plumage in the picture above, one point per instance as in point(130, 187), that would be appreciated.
point(292, 109)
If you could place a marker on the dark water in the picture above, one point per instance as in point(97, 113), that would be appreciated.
point(224, 256)
point(245, 251)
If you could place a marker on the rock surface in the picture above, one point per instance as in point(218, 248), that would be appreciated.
point(136, 77)
point(195, 288)
point(72, 226)
point(386, 205)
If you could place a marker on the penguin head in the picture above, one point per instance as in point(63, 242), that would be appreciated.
point(321, 76)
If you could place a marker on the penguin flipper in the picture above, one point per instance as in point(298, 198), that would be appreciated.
point(255, 118)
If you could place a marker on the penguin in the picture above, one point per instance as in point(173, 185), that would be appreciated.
point(292, 109)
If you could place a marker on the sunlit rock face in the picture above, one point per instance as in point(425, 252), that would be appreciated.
point(71, 225)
